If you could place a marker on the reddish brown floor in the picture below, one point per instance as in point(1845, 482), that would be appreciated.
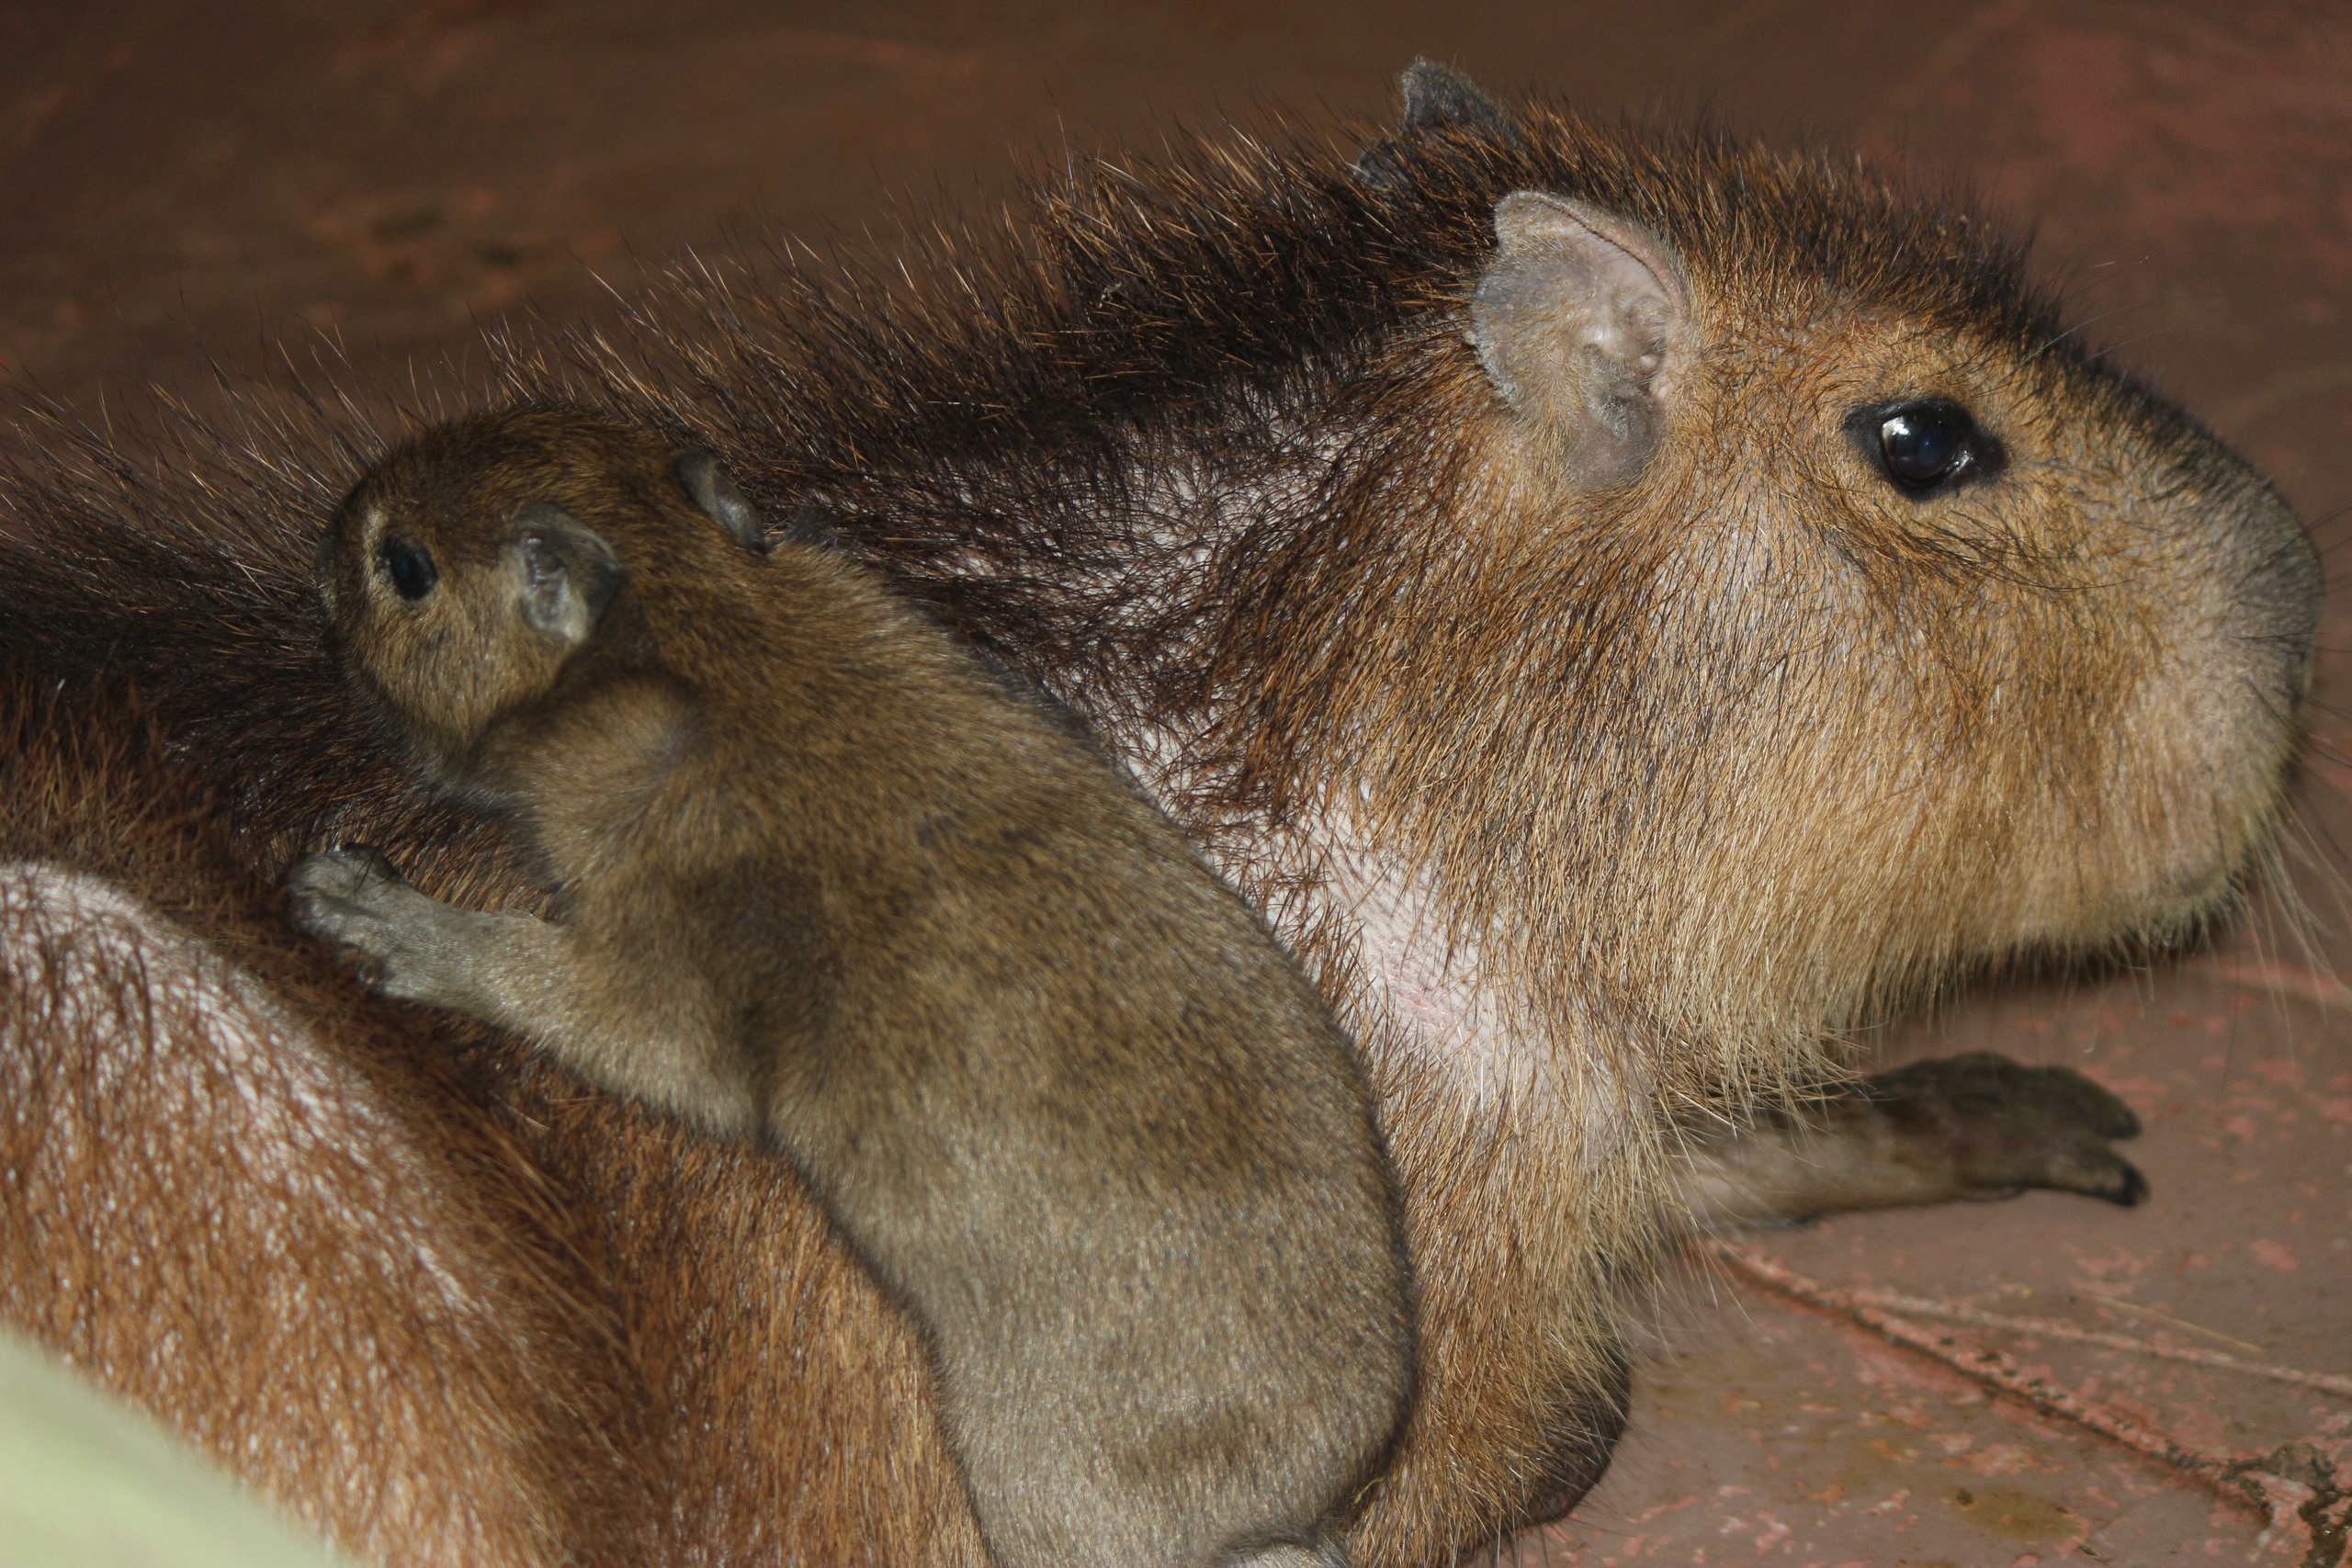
point(178, 179)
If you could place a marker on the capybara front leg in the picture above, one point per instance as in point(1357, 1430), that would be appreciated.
point(1977, 1127)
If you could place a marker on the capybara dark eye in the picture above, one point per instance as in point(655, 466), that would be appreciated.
point(1927, 445)
point(409, 567)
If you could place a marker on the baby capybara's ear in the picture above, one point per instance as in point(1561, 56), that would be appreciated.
point(707, 486)
point(568, 573)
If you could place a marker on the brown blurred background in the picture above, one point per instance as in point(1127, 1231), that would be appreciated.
point(187, 184)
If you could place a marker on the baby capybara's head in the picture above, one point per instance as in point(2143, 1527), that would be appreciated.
point(467, 570)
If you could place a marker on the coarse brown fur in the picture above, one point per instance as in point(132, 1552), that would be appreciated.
point(767, 1398)
point(215, 1151)
point(1599, 811)
point(424, 1292)
point(825, 881)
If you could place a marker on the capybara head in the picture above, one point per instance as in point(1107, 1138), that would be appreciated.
point(1747, 603)
point(1862, 625)
point(465, 569)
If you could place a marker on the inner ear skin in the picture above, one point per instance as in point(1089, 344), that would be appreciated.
point(569, 573)
point(1582, 323)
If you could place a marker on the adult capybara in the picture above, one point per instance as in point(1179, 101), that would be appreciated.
point(1626, 605)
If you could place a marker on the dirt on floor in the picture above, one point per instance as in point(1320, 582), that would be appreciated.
point(190, 189)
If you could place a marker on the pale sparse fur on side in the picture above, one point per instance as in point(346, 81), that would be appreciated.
point(420, 1291)
point(232, 1198)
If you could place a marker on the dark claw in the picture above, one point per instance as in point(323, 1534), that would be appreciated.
point(2130, 1191)
point(342, 871)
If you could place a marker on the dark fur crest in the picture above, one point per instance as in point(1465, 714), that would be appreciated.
point(1238, 306)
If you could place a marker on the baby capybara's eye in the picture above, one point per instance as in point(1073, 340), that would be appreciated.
point(1927, 445)
point(408, 567)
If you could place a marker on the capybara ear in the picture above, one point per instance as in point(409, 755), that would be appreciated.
point(568, 573)
point(1435, 99)
point(1583, 323)
point(707, 486)
point(1436, 96)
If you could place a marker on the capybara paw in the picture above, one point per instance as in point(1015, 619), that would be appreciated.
point(353, 898)
point(2006, 1127)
